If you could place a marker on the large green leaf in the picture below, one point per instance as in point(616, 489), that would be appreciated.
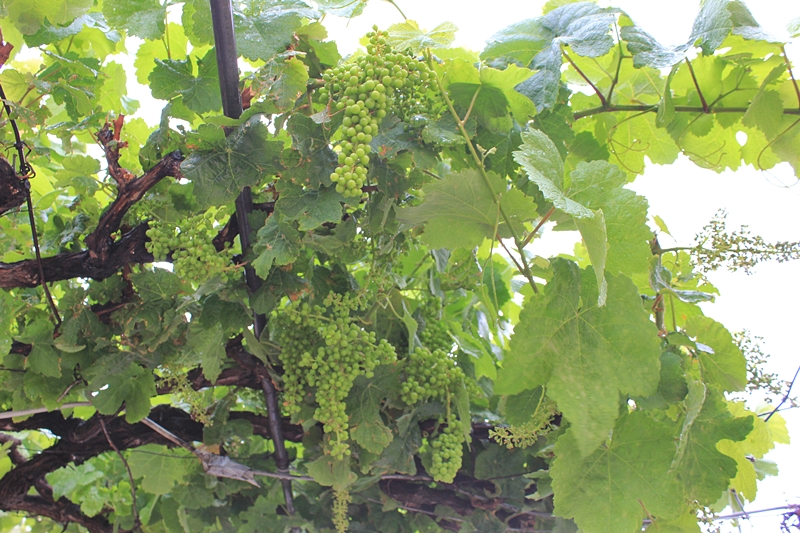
point(278, 243)
point(721, 361)
point(310, 208)
point(496, 96)
point(242, 160)
point(539, 157)
point(159, 467)
point(586, 355)
point(363, 407)
point(208, 345)
point(620, 484)
point(584, 27)
point(134, 386)
point(599, 185)
point(172, 77)
point(29, 16)
point(704, 471)
point(459, 211)
point(407, 35)
point(142, 18)
point(267, 30)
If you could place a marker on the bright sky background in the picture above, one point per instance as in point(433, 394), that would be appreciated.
point(685, 196)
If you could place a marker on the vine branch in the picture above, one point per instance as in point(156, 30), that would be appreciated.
point(697, 86)
point(495, 198)
point(603, 101)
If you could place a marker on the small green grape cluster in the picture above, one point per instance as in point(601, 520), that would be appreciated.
point(364, 92)
point(527, 434)
point(434, 335)
point(429, 375)
point(322, 347)
point(341, 503)
point(189, 244)
point(447, 454)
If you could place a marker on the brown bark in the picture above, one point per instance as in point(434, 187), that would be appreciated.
point(12, 188)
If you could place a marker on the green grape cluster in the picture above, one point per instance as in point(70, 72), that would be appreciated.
point(365, 91)
point(189, 244)
point(429, 375)
point(527, 434)
point(341, 502)
point(434, 335)
point(324, 349)
point(447, 453)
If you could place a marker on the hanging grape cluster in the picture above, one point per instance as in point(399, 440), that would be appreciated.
point(447, 453)
point(434, 335)
point(365, 91)
point(527, 434)
point(430, 375)
point(324, 349)
point(189, 244)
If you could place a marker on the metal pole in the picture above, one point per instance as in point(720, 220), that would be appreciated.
point(228, 68)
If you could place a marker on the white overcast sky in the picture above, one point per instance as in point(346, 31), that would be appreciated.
point(685, 196)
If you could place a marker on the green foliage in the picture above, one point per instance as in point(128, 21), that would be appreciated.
point(392, 299)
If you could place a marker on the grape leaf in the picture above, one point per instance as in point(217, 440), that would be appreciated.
point(29, 16)
point(595, 237)
point(342, 8)
point(520, 407)
point(196, 21)
point(134, 386)
point(310, 208)
point(712, 25)
point(363, 408)
point(599, 185)
point(331, 472)
point(704, 471)
point(539, 157)
point(44, 359)
point(269, 29)
point(142, 18)
point(458, 211)
point(759, 441)
point(172, 77)
point(536, 44)
point(159, 467)
point(586, 355)
point(66, 480)
point(149, 51)
point(242, 160)
point(209, 344)
point(649, 52)
point(280, 244)
point(496, 97)
point(721, 361)
point(408, 36)
point(623, 482)
point(288, 84)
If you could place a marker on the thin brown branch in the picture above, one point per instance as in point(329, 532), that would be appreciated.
point(544, 219)
point(645, 108)
point(791, 74)
point(135, 509)
point(471, 105)
point(599, 94)
point(697, 86)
